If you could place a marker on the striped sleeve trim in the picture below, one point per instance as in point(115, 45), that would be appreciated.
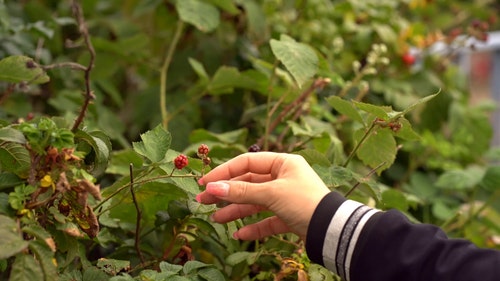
point(342, 232)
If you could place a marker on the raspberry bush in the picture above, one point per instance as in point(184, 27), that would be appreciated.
point(103, 104)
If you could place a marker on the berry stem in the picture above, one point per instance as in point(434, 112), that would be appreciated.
point(137, 240)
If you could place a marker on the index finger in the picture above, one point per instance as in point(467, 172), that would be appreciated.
point(253, 162)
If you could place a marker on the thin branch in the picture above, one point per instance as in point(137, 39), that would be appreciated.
point(367, 176)
point(270, 111)
point(358, 145)
point(164, 73)
point(89, 95)
point(72, 65)
point(137, 241)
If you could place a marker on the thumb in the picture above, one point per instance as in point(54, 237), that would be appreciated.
point(241, 192)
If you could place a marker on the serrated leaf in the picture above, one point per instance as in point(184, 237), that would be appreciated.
point(406, 132)
point(298, 58)
point(335, 176)
point(392, 198)
point(168, 267)
point(491, 179)
point(121, 160)
point(14, 158)
point(460, 179)
point(154, 144)
point(313, 157)
point(45, 257)
point(200, 14)
point(238, 257)
point(211, 274)
point(26, 268)
point(419, 102)
point(191, 266)
point(379, 148)
point(11, 242)
point(94, 274)
point(378, 111)
point(12, 135)
point(345, 107)
point(226, 79)
point(318, 273)
point(17, 69)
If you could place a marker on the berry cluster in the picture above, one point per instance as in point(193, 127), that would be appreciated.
point(203, 154)
point(181, 161)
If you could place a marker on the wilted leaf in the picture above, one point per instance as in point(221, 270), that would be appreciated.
point(112, 266)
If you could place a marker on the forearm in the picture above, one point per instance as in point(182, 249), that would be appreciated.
point(360, 243)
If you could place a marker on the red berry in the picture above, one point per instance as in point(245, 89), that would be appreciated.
point(181, 161)
point(203, 150)
point(408, 59)
point(254, 148)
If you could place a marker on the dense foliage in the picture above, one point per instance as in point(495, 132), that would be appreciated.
point(110, 111)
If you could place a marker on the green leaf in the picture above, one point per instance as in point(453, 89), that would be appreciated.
point(379, 148)
point(45, 257)
point(461, 179)
point(26, 268)
point(227, 78)
point(491, 179)
point(8, 180)
point(211, 274)
point(200, 14)
point(378, 111)
point(318, 273)
point(94, 274)
point(12, 135)
point(199, 69)
point(345, 107)
point(419, 102)
point(335, 176)
point(11, 242)
point(98, 157)
point(238, 257)
point(191, 266)
point(226, 5)
point(406, 132)
point(121, 160)
point(392, 198)
point(154, 144)
point(168, 267)
point(299, 59)
point(14, 158)
point(17, 69)
point(313, 156)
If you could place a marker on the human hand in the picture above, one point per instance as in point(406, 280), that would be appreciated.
point(282, 183)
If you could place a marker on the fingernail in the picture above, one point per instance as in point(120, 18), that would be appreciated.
point(220, 189)
point(200, 181)
point(235, 235)
point(211, 218)
point(198, 198)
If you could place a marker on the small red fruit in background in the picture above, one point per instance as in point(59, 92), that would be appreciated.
point(203, 150)
point(181, 161)
point(408, 59)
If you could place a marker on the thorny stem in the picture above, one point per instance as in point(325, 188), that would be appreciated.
point(89, 95)
point(359, 182)
point(317, 84)
point(138, 217)
point(164, 73)
point(358, 145)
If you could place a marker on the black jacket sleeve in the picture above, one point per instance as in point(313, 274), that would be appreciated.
point(363, 244)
